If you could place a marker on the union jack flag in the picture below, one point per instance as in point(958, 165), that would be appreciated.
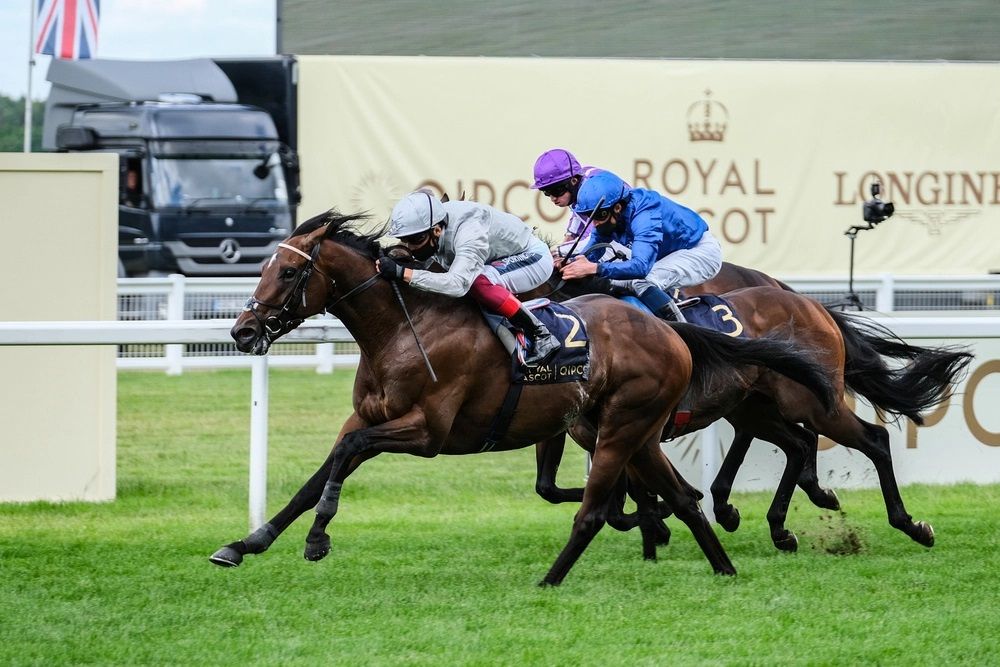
point(68, 28)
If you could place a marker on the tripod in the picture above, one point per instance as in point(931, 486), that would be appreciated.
point(851, 299)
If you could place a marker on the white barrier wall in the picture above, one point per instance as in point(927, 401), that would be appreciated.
point(57, 404)
point(960, 441)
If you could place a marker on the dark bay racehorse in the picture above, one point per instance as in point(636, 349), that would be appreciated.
point(549, 453)
point(631, 391)
point(856, 353)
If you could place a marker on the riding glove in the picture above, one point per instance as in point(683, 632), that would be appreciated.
point(389, 269)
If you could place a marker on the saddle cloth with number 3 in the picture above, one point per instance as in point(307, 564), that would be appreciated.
point(706, 310)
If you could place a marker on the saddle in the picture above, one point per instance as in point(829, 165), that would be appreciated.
point(570, 363)
point(707, 310)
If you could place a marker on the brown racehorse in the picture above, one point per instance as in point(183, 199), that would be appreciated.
point(854, 352)
point(327, 265)
point(549, 453)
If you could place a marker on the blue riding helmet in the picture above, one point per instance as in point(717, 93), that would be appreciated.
point(603, 190)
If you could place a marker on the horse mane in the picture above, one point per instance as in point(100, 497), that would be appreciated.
point(345, 229)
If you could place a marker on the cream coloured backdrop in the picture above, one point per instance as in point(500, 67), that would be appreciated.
point(57, 403)
point(778, 156)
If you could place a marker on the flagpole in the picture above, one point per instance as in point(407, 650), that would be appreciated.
point(31, 70)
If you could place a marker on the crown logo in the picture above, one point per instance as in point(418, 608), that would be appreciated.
point(707, 119)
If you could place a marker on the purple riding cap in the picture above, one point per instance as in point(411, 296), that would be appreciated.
point(555, 165)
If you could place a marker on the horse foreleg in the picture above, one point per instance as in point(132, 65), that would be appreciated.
point(408, 434)
point(726, 514)
point(809, 478)
point(650, 525)
point(548, 456)
point(305, 499)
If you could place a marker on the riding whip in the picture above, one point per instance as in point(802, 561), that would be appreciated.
point(427, 362)
point(590, 219)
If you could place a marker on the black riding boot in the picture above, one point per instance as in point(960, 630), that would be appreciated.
point(543, 342)
point(661, 304)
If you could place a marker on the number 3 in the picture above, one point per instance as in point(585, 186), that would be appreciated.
point(728, 317)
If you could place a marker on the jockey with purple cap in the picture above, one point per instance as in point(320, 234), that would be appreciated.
point(487, 253)
point(671, 244)
point(559, 175)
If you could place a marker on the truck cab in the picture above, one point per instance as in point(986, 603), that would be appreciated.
point(203, 185)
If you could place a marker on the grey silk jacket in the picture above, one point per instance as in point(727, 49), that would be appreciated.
point(476, 235)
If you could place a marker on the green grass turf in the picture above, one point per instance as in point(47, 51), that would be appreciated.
point(435, 562)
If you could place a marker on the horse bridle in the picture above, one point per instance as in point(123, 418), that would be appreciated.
point(274, 326)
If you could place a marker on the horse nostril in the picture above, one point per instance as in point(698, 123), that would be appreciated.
point(244, 336)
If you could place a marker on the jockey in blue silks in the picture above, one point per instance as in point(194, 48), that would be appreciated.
point(671, 244)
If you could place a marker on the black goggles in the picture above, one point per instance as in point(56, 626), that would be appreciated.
point(600, 215)
point(415, 239)
point(556, 189)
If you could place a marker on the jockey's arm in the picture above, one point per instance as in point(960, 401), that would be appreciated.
point(471, 248)
point(647, 236)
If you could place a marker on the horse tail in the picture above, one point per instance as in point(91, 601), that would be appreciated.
point(717, 356)
point(924, 379)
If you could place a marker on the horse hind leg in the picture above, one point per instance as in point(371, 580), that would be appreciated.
point(873, 441)
point(605, 474)
point(651, 467)
point(876, 448)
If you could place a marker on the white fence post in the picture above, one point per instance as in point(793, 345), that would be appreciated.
point(324, 358)
point(885, 301)
point(174, 352)
point(258, 441)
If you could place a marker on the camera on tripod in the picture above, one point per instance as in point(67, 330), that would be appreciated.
point(875, 210)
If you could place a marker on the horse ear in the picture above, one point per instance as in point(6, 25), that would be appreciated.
point(445, 198)
point(317, 235)
point(462, 196)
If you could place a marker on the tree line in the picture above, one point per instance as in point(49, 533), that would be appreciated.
point(12, 124)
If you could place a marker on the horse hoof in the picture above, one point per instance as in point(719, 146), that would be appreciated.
point(728, 517)
point(318, 550)
point(788, 543)
point(226, 557)
point(924, 534)
point(829, 501)
point(662, 535)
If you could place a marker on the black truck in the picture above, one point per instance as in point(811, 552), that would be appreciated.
point(208, 169)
